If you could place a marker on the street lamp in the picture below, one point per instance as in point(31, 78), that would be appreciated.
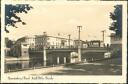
point(69, 40)
point(103, 31)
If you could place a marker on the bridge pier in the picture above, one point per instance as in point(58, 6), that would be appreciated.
point(44, 56)
point(79, 54)
point(58, 60)
point(64, 60)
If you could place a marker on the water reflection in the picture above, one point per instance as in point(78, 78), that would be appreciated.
point(31, 64)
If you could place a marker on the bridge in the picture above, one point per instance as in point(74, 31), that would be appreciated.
point(65, 53)
point(83, 50)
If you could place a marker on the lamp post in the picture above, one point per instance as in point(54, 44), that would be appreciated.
point(103, 31)
point(69, 40)
point(79, 43)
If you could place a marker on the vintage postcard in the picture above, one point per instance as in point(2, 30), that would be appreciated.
point(63, 41)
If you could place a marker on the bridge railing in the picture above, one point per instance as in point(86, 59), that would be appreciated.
point(88, 48)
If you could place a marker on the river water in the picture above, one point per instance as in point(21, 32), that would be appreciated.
point(28, 64)
point(53, 59)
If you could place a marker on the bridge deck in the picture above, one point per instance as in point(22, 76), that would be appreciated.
point(74, 50)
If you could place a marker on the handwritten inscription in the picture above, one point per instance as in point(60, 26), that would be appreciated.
point(50, 77)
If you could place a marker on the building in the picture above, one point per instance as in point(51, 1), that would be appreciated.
point(95, 43)
point(20, 50)
point(83, 44)
point(89, 44)
point(28, 40)
point(115, 41)
point(59, 42)
point(40, 41)
point(22, 46)
point(52, 42)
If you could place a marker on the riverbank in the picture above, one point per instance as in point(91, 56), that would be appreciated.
point(8, 58)
point(103, 67)
point(37, 71)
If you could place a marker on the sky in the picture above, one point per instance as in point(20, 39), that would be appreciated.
point(64, 19)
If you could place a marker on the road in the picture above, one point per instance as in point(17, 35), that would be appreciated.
point(104, 67)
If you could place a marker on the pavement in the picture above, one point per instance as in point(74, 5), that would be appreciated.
point(103, 67)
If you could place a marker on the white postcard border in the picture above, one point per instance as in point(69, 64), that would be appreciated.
point(73, 79)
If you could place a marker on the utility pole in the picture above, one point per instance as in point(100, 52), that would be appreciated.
point(103, 35)
point(69, 40)
point(79, 43)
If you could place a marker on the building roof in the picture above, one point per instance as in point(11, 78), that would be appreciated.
point(53, 37)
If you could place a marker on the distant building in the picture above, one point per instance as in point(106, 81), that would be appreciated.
point(40, 41)
point(52, 42)
point(20, 50)
point(95, 43)
point(115, 41)
point(28, 40)
point(86, 44)
point(83, 44)
point(22, 46)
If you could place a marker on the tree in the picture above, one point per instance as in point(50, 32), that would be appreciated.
point(9, 44)
point(116, 16)
point(10, 14)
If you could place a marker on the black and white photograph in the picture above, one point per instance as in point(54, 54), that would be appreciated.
point(61, 41)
